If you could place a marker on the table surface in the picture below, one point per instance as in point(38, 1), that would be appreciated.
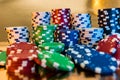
point(76, 74)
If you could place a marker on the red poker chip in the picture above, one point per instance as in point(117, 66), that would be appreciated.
point(20, 46)
point(108, 45)
point(117, 54)
point(18, 76)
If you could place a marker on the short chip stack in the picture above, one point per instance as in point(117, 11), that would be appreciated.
point(43, 34)
point(68, 37)
point(21, 59)
point(17, 34)
point(108, 19)
point(90, 36)
point(81, 20)
point(40, 18)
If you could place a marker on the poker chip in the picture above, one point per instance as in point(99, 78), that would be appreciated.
point(17, 34)
point(43, 34)
point(40, 18)
point(108, 19)
point(3, 58)
point(55, 47)
point(90, 36)
point(18, 63)
point(117, 53)
point(55, 61)
point(19, 47)
point(62, 18)
point(81, 20)
point(21, 59)
point(68, 37)
point(108, 45)
point(93, 62)
point(18, 76)
point(90, 59)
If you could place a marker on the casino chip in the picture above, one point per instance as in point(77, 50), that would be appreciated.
point(68, 37)
point(108, 45)
point(81, 20)
point(19, 47)
point(43, 34)
point(40, 18)
point(90, 59)
point(55, 61)
point(17, 34)
point(3, 57)
point(62, 18)
point(93, 62)
point(108, 19)
point(55, 47)
point(21, 58)
point(90, 36)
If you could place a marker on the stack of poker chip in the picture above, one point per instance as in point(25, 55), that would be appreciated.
point(3, 57)
point(68, 37)
point(93, 60)
point(108, 19)
point(17, 34)
point(40, 18)
point(81, 20)
point(90, 36)
point(44, 34)
point(62, 18)
point(19, 76)
point(21, 59)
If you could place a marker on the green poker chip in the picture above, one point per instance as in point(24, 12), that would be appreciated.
point(54, 46)
point(3, 57)
point(43, 34)
point(55, 60)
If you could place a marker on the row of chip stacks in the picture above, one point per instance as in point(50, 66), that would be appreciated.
point(66, 33)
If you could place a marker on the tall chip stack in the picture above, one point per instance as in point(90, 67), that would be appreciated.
point(40, 18)
point(62, 18)
point(81, 21)
point(108, 19)
point(17, 34)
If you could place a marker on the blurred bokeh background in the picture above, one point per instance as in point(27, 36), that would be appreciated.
point(18, 12)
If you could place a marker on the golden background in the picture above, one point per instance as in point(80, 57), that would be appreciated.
point(18, 12)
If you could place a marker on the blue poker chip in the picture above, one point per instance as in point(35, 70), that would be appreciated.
point(100, 62)
point(68, 37)
point(90, 59)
